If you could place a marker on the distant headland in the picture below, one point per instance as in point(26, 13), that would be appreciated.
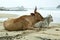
point(13, 8)
point(58, 6)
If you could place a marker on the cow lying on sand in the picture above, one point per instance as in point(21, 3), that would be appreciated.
point(44, 23)
point(24, 22)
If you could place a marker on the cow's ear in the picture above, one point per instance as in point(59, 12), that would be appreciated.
point(32, 14)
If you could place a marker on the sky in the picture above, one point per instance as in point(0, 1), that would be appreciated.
point(29, 3)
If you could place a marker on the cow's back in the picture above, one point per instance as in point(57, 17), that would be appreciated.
point(19, 24)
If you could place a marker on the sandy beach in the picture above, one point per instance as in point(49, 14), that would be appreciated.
point(50, 33)
point(46, 13)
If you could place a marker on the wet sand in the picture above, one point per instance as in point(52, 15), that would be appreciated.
point(2, 15)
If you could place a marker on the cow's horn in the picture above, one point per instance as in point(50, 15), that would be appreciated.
point(35, 9)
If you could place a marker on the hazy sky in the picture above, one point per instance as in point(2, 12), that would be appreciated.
point(29, 3)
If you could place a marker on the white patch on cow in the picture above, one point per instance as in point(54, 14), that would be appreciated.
point(44, 23)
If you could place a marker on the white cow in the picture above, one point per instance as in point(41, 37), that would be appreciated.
point(44, 23)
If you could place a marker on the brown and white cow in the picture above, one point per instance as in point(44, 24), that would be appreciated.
point(23, 22)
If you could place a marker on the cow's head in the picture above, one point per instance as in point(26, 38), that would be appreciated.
point(50, 18)
point(37, 15)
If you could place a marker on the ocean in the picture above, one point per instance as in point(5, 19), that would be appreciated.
point(55, 13)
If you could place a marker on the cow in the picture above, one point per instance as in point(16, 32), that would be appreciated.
point(45, 23)
point(24, 22)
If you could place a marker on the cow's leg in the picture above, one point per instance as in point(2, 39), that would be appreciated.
point(33, 28)
point(30, 27)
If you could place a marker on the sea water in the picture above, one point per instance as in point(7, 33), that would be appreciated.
point(55, 13)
